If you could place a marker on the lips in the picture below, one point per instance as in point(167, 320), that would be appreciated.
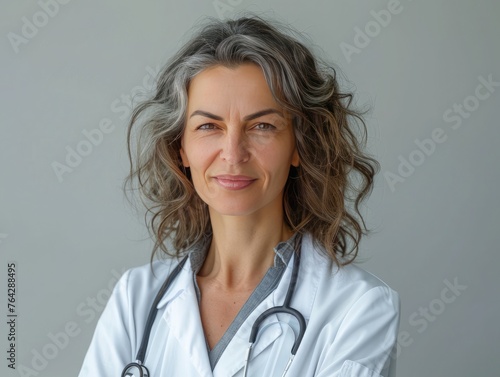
point(234, 182)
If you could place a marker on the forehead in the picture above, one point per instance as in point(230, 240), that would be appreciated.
point(242, 84)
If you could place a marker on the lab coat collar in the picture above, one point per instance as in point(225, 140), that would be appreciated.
point(195, 259)
point(178, 285)
point(182, 316)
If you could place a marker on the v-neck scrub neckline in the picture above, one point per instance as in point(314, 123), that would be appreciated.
point(283, 253)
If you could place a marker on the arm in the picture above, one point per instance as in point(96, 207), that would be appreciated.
point(110, 349)
point(365, 342)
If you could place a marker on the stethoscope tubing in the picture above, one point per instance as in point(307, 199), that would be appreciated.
point(153, 311)
point(143, 371)
point(285, 308)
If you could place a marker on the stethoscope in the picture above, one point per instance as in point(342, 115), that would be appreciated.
point(138, 369)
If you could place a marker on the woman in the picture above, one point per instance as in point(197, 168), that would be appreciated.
point(247, 160)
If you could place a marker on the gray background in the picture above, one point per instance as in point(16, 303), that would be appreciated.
point(71, 236)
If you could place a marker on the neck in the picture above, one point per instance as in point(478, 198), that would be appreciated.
point(242, 249)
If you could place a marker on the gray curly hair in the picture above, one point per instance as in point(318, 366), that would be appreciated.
point(318, 194)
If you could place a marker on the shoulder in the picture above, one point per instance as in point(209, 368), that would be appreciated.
point(150, 273)
point(138, 286)
point(354, 318)
point(344, 286)
point(360, 280)
point(347, 304)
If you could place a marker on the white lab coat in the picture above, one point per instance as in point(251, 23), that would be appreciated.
point(352, 324)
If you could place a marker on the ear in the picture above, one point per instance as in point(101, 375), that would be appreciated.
point(295, 158)
point(185, 161)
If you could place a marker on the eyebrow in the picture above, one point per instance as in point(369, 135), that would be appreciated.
point(246, 118)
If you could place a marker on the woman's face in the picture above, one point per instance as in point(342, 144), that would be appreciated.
point(237, 141)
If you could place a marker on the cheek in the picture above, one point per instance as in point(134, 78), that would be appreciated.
point(277, 156)
point(200, 157)
point(277, 167)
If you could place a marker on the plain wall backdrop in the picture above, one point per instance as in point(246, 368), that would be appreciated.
point(430, 72)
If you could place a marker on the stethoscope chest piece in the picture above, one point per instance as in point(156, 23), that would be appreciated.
point(135, 370)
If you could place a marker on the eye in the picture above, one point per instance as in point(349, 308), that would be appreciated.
point(264, 127)
point(207, 126)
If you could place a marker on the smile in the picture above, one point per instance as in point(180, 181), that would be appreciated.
point(234, 182)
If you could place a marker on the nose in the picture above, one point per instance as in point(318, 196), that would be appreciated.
point(234, 149)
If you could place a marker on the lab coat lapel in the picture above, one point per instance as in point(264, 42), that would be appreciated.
point(182, 316)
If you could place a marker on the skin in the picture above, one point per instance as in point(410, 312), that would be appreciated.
point(239, 167)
